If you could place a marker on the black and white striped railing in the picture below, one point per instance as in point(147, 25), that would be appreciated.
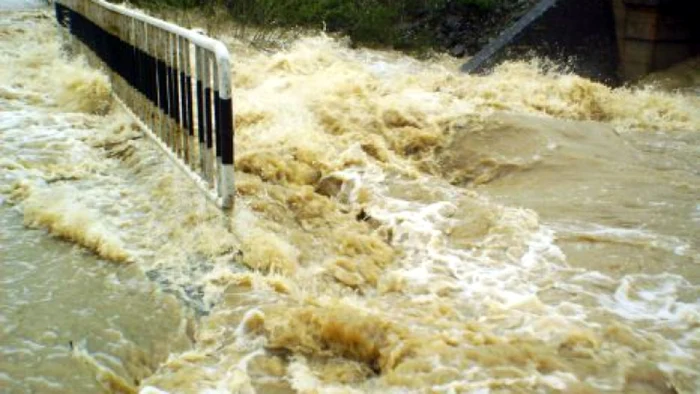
point(174, 80)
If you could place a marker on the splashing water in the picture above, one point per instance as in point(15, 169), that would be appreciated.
point(399, 227)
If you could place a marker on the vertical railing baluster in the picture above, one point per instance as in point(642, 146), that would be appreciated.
point(209, 124)
point(152, 76)
point(217, 122)
point(169, 88)
point(183, 100)
point(175, 96)
point(201, 129)
point(189, 107)
point(162, 86)
point(177, 145)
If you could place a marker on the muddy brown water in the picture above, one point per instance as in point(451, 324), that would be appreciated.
point(399, 227)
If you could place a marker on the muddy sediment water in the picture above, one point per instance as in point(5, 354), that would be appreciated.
point(74, 318)
point(399, 227)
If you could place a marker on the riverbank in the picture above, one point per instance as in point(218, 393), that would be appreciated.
point(458, 27)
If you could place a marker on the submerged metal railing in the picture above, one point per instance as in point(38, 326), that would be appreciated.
point(174, 80)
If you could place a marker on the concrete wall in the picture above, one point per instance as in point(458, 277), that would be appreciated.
point(611, 41)
point(577, 34)
point(655, 34)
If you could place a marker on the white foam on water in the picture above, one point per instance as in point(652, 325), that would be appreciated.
point(626, 236)
point(654, 298)
point(510, 284)
point(152, 390)
point(421, 231)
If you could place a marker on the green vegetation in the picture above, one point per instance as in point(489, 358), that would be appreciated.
point(402, 24)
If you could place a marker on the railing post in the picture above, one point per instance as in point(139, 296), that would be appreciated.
point(225, 109)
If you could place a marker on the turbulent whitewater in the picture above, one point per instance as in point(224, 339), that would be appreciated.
point(399, 226)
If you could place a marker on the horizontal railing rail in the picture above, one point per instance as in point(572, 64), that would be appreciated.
point(174, 80)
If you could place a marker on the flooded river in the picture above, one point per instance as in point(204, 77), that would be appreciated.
point(399, 227)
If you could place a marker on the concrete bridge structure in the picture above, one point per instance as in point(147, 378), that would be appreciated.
point(613, 41)
point(655, 34)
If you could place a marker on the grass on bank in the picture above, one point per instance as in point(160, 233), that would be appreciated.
point(400, 24)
